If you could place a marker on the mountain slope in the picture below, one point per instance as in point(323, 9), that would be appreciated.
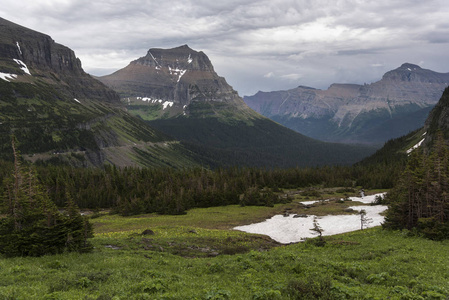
point(60, 113)
point(397, 149)
point(177, 91)
point(370, 113)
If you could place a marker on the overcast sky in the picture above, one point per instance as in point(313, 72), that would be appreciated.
point(255, 44)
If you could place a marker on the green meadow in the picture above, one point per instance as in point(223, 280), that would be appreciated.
point(199, 256)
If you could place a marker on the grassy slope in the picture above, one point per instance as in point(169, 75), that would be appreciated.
point(369, 264)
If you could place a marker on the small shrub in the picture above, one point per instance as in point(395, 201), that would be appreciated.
point(267, 295)
point(379, 200)
point(379, 278)
point(215, 268)
point(311, 193)
point(150, 286)
point(314, 287)
point(84, 282)
point(345, 190)
point(217, 295)
point(56, 264)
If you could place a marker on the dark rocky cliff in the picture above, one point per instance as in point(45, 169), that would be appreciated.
point(49, 61)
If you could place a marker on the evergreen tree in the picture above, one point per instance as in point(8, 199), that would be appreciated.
point(33, 226)
point(420, 200)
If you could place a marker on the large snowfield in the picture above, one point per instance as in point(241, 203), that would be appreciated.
point(291, 230)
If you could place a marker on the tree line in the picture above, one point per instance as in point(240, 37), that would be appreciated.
point(133, 190)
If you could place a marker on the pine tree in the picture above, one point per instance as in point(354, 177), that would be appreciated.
point(33, 226)
point(420, 200)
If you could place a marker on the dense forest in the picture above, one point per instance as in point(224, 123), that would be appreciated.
point(168, 191)
point(420, 200)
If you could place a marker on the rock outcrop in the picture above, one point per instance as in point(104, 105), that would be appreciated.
point(48, 61)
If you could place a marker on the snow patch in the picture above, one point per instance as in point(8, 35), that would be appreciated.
point(154, 59)
point(291, 230)
point(77, 100)
point(189, 59)
point(23, 66)
point(7, 77)
point(18, 47)
point(150, 100)
point(416, 146)
point(166, 104)
point(177, 72)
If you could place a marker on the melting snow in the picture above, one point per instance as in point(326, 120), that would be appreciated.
point(178, 72)
point(291, 230)
point(18, 47)
point(416, 146)
point(167, 103)
point(189, 59)
point(149, 99)
point(7, 77)
point(154, 59)
point(23, 66)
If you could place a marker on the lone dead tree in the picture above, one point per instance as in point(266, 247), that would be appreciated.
point(318, 230)
point(364, 220)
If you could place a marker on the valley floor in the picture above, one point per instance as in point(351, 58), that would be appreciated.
point(197, 256)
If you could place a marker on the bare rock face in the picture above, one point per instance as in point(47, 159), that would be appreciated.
point(367, 113)
point(438, 119)
point(177, 77)
point(48, 61)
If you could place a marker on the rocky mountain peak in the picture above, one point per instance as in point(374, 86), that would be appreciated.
point(30, 56)
point(36, 49)
point(173, 79)
point(408, 72)
point(409, 67)
point(177, 60)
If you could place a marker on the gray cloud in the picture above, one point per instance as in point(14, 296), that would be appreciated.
point(255, 45)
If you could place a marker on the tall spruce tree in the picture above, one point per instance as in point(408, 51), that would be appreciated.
point(33, 226)
point(420, 200)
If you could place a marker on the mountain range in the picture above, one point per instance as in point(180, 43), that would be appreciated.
point(352, 113)
point(178, 92)
point(170, 108)
point(60, 114)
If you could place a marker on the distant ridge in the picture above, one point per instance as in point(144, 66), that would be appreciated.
point(370, 113)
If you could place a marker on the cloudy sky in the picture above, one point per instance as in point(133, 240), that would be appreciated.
point(255, 44)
